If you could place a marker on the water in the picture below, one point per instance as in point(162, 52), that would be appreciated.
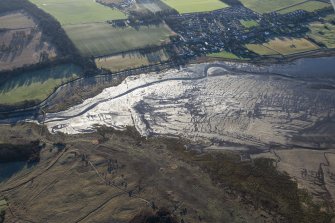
point(323, 67)
point(7, 170)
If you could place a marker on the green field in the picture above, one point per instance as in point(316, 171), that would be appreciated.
point(100, 39)
point(287, 46)
point(189, 6)
point(78, 11)
point(224, 54)
point(310, 6)
point(260, 49)
point(265, 6)
point(36, 85)
point(323, 33)
point(249, 23)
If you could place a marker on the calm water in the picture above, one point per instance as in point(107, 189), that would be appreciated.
point(9, 169)
point(319, 68)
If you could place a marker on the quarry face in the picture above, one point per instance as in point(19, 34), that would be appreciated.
point(209, 103)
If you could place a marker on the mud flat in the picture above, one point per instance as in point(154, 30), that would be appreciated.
point(208, 103)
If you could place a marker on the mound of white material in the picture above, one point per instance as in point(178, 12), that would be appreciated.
point(247, 109)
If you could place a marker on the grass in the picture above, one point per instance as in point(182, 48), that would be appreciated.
point(249, 23)
point(260, 49)
point(16, 20)
point(78, 11)
point(224, 54)
point(100, 39)
point(330, 18)
point(189, 6)
point(310, 6)
point(130, 60)
point(323, 33)
point(266, 6)
point(37, 85)
point(286, 46)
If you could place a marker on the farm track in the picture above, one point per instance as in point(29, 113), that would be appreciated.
point(98, 207)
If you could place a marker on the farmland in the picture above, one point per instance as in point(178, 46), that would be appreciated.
point(286, 46)
point(16, 20)
point(152, 5)
point(36, 85)
point(22, 43)
point(309, 6)
point(100, 39)
point(323, 33)
point(260, 49)
point(130, 60)
point(189, 6)
point(78, 11)
point(224, 54)
point(265, 6)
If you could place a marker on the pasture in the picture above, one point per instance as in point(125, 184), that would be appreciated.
point(36, 85)
point(190, 6)
point(249, 23)
point(323, 33)
point(287, 46)
point(260, 49)
point(266, 6)
point(223, 54)
point(101, 39)
point(78, 11)
point(130, 60)
point(310, 6)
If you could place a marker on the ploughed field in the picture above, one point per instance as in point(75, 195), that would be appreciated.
point(22, 43)
point(131, 60)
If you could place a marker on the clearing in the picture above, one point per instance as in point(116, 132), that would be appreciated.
point(323, 33)
point(36, 85)
point(266, 6)
point(286, 46)
point(78, 11)
point(131, 60)
point(309, 6)
point(101, 39)
point(22, 43)
point(190, 6)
